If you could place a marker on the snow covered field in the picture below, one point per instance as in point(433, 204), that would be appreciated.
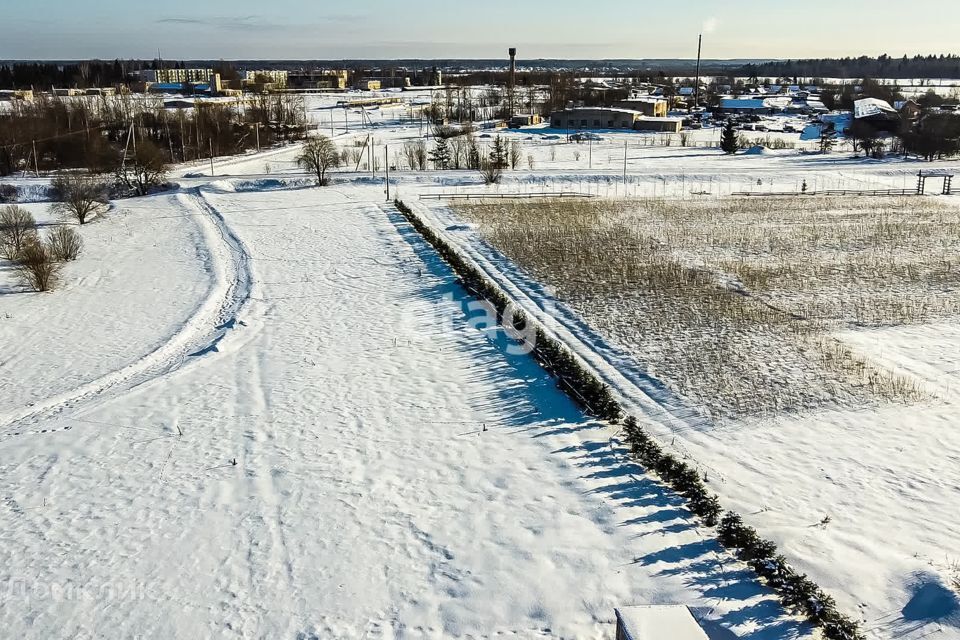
point(103, 320)
point(340, 454)
point(863, 496)
point(267, 414)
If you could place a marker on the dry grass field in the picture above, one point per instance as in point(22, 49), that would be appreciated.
point(732, 302)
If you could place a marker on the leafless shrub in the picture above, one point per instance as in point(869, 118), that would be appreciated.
point(64, 243)
point(491, 172)
point(37, 268)
point(955, 575)
point(81, 196)
point(17, 229)
point(768, 142)
point(8, 193)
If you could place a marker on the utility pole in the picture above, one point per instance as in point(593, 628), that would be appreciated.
point(696, 86)
point(624, 167)
point(210, 140)
point(36, 165)
point(169, 141)
point(386, 166)
point(123, 162)
point(373, 171)
point(183, 141)
point(511, 80)
point(590, 151)
point(258, 137)
point(306, 118)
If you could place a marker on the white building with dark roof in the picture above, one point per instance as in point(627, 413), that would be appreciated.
point(658, 622)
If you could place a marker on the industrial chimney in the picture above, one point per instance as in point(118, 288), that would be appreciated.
point(512, 81)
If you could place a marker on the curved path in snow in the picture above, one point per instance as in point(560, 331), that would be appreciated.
point(199, 335)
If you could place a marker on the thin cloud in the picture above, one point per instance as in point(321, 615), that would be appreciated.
point(255, 23)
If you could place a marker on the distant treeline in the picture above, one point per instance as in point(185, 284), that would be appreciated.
point(934, 66)
point(53, 134)
point(43, 75)
point(98, 73)
point(86, 74)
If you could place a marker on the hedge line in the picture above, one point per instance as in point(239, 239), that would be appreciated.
point(796, 591)
point(581, 385)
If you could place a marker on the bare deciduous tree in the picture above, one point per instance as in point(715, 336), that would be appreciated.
point(37, 268)
point(459, 150)
point(318, 156)
point(145, 169)
point(416, 155)
point(64, 243)
point(17, 229)
point(516, 154)
point(81, 196)
point(8, 193)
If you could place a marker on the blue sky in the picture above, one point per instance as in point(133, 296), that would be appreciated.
point(291, 29)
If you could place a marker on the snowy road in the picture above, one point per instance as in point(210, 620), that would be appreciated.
point(340, 454)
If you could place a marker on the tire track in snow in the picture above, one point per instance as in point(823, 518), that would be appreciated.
point(199, 335)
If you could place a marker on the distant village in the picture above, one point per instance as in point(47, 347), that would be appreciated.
point(567, 101)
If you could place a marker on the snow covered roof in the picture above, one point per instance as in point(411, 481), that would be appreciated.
point(644, 99)
point(599, 109)
point(659, 622)
point(900, 104)
point(755, 103)
point(870, 107)
point(742, 103)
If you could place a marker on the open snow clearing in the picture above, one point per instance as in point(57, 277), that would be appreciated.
point(224, 259)
point(357, 459)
